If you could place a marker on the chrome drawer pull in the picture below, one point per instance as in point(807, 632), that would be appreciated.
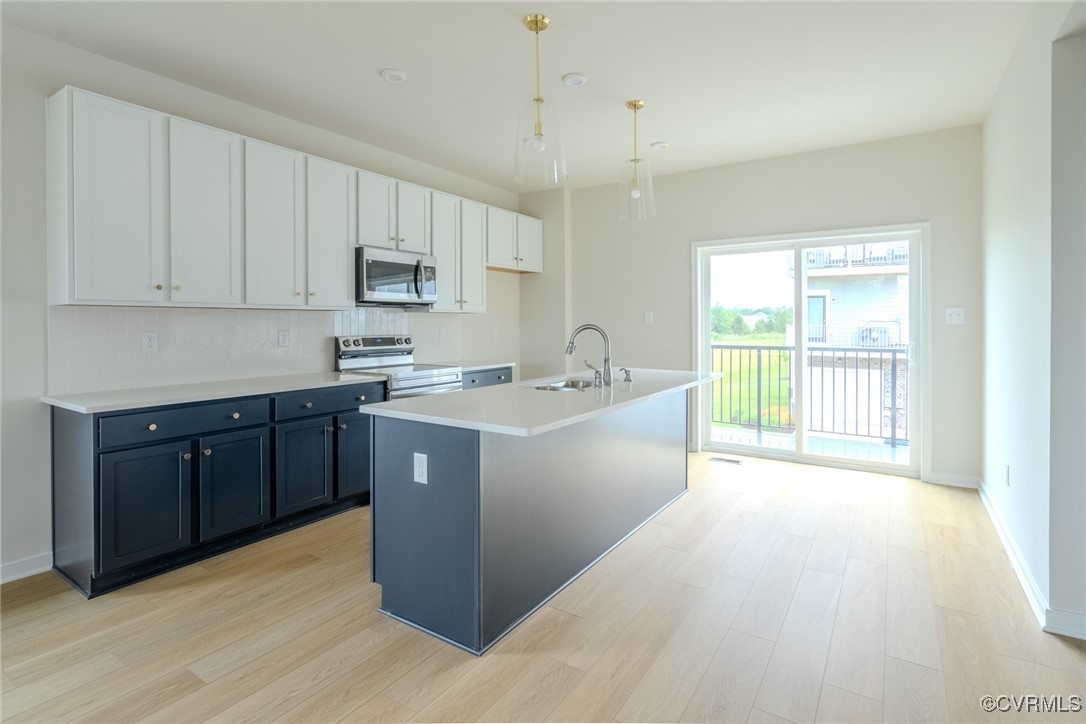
point(342, 426)
point(152, 427)
point(187, 456)
point(307, 405)
point(207, 452)
point(329, 428)
point(236, 415)
point(361, 398)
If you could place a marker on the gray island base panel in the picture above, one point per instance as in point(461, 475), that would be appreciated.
point(504, 522)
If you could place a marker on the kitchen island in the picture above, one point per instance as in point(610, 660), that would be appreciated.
point(486, 503)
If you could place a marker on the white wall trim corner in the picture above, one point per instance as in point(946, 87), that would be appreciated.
point(1065, 623)
point(15, 570)
point(953, 480)
point(1036, 598)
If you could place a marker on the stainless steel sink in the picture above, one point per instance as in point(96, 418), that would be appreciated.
point(567, 386)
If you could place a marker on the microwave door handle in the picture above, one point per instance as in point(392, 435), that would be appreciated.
point(418, 274)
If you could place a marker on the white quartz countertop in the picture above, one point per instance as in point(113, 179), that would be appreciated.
point(114, 400)
point(474, 365)
point(520, 409)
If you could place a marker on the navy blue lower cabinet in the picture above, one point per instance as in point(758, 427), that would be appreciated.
point(303, 464)
point(234, 481)
point(146, 503)
point(354, 462)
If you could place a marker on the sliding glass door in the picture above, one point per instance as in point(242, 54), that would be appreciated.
point(832, 378)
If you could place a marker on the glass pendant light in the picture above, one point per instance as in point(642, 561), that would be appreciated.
point(636, 202)
point(540, 158)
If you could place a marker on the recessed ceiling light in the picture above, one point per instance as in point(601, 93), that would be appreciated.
point(575, 80)
point(393, 76)
point(660, 145)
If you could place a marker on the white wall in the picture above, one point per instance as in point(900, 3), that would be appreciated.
point(33, 69)
point(1067, 537)
point(1020, 340)
point(546, 298)
point(622, 269)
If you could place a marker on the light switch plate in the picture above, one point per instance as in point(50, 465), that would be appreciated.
point(955, 315)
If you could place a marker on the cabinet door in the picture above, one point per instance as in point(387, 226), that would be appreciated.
point(205, 214)
point(303, 465)
point(472, 256)
point(376, 210)
point(445, 239)
point(529, 243)
point(145, 504)
point(274, 225)
point(235, 481)
point(332, 224)
point(501, 237)
point(118, 195)
point(413, 217)
point(354, 442)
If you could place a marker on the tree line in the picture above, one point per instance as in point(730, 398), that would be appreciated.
point(724, 322)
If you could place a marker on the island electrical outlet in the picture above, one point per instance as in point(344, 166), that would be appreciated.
point(420, 468)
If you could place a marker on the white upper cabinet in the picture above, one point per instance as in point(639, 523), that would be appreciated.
point(205, 214)
point(332, 226)
point(376, 210)
point(413, 217)
point(501, 238)
point(107, 219)
point(393, 214)
point(514, 241)
point(445, 239)
point(529, 243)
point(274, 225)
point(459, 244)
point(472, 256)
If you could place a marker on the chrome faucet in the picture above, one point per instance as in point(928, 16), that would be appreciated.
point(572, 346)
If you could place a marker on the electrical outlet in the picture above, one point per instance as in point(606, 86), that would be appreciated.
point(1008, 476)
point(648, 317)
point(150, 342)
point(955, 315)
point(420, 469)
point(284, 339)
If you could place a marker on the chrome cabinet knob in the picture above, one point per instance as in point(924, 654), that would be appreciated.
point(158, 287)
point(329, 428)
point(342, 426)
point(236, 415)
point(297, 294)
point(207, 452)
point(312, 294)
point(308, 405)
point(361, 398)
point(152, 427)
point(392, 238)
point(177, 287)
point(187, 456)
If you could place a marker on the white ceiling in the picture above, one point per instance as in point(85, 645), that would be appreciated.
point(724, 82)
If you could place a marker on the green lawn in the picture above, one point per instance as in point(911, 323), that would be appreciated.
point(735, 396)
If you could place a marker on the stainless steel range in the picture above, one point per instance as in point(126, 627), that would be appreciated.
point(393, 358)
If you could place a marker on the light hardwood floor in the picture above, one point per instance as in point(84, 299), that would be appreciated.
point(770, 592)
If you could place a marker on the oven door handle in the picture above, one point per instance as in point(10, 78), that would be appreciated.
point(423, 391)
point(418, 275)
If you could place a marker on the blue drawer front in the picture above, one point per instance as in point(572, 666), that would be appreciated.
point(327, 400)
point(143, 428)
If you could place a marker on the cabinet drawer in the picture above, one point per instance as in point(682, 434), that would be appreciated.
point(325, 400)
point(146, 427)
point(486, 378)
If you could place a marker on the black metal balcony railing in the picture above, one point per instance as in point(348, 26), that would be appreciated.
point(858, 391)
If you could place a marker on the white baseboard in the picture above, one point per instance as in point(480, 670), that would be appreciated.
point(26, 567)
point(954, 480)
point(1065, 623)
point(1037, 599)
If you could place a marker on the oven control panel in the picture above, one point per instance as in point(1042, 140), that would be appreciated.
point(374, 343)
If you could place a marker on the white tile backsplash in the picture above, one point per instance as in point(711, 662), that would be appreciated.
point(99, 348)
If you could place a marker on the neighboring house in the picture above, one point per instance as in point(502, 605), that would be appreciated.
point(858, 295)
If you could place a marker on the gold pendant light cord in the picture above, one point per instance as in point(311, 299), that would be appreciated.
point(538, 95)
point(635, 184)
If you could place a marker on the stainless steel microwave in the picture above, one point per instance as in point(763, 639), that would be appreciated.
point(388, 276)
